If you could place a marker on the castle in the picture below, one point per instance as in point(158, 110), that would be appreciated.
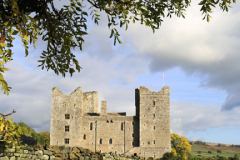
point(75, 121)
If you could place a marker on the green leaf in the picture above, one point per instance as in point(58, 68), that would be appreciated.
point(119, 40)
point(111, 33)
point(109, 24)
point(26, 52)
point(3, 44)
point(11, 32)
point(78, 9)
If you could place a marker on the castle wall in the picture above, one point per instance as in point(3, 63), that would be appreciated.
point(106, 131)
point(62, 106)
point(146, 134)
point(90, 102)
point(154, 118)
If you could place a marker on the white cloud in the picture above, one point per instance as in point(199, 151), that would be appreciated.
point(186, 117)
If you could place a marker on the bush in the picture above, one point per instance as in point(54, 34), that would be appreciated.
point(236, 155)
point(221, 158)
point(199, 152)
point(219, 151)
point(210, 152)
point(168, 156)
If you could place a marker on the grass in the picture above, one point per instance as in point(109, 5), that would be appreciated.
point(226, 151)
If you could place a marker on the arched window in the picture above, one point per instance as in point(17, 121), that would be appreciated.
point(100, 142)
point(91, 126)
point(153, 103)
point(110, 141)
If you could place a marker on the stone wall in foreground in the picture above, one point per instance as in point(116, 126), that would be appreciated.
point(46, 152)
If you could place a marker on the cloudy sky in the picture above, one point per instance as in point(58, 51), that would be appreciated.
point(200, 62)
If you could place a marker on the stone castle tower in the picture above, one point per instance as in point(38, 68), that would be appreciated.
point(75, 121)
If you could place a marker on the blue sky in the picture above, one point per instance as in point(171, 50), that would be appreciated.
point(200, 62)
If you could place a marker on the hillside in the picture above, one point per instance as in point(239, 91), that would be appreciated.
point(226, 150)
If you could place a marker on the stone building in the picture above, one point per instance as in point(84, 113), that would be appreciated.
point(75, 121)
point(30, 141)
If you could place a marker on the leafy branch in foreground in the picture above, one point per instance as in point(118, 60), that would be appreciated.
point(64, 29)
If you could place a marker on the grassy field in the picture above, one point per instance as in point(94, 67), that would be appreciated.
point(226, 151)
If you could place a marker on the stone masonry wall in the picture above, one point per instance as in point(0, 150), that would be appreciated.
point(62, 107)
point(90, 102)
point(46, 152)
point(146, 134)
point(154, 121)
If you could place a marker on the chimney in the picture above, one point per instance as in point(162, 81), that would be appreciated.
point(104, 107)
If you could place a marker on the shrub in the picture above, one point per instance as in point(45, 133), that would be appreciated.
point(199, 152)
point(210, 152)
point(236, 155)
point(219, 151)
point(221, 158)
point(168, 156)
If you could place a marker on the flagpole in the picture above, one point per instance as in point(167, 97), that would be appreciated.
point(163, 78)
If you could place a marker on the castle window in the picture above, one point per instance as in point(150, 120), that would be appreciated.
point(132, 135)
point(133, 123)
point(100, 142)
point(122, 126)
point(154, 156)
point(133, 143)
point(66, 104)
point(144, 124)
point(154, 115)
point(143, 115)
point(110, 141)
point(111, 121)
point(115, 152)
point(66, 128)
point(153, 141)
point(74, 104)
point(91, 126)
point(84, 136)
point(107, 121)
point(154, 127)
point(66, 140)
point(67, 116)
point(153, 103)
point(148, 143)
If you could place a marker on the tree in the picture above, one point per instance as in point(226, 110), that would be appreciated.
point(46, 136)
point(168, 156)
point(62, 25)
point(236, 155)
point(8, 129)
point(219, 151)
point(180, 146)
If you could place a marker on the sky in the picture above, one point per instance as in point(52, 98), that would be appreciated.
point(200, 62)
